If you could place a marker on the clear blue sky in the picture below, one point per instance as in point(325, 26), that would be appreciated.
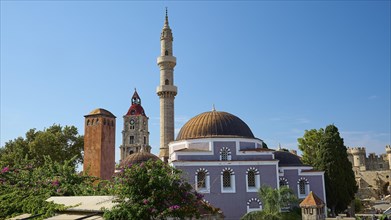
point(282, 67)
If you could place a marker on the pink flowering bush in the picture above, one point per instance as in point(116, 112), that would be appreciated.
point(154, 190)
point(24, 188)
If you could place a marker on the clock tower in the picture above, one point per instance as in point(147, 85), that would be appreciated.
point(135, 134)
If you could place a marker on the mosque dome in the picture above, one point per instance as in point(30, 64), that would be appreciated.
point(137, 158)
point(287, 159)
point(214, 124)
point(101, 111)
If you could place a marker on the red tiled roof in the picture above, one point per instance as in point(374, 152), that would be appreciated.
point(312, 200)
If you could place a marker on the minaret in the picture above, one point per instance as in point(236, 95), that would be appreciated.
point(135, 134)
point(166, 90)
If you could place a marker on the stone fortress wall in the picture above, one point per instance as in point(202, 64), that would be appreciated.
point(372, 172)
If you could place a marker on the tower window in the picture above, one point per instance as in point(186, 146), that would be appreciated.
point(131, 127)
point(131, 140)
point(166, 53)
point(201, 179)
point(167, 82)
point(145, 140)
point(104, 121)
point(88, 122)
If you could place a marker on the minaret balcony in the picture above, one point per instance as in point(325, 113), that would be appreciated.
point(169, 59)
point(166, 88)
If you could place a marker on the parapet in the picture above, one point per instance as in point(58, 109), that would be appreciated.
point(357, 150)
point(388, 149)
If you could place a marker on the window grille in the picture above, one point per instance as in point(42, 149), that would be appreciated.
point(131, 140)
point(224, 154)
point(251, 178)
point(302, 187)
point(201, 179)
point(226, 179)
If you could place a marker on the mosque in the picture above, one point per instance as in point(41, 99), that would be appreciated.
point(217, 151)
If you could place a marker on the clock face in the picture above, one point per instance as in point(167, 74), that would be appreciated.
point(131, 121)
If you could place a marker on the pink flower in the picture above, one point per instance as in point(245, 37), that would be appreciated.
point(5, 169)
point(145, 201)
point(55, 183)
point(174, 207)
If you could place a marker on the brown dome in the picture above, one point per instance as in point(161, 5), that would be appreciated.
point(137, 158)
point(101, 111)
point(214, 124)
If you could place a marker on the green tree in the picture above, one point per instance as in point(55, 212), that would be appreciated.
point(154, 190)
point(309, 144)
point(60, 143)
point(25, 188)
point(329, 154)
point(273, 200)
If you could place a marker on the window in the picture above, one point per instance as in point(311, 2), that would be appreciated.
point(202, 180)
point(252, 179)
point(145, 140)
point(254, 204)
point(166, 82)
point(166, 53)
point(228, 181)
point(88, 122)
point(131, 127)
point(225, 153)
point(131, 140)
point(303, 187)
point(284, 182)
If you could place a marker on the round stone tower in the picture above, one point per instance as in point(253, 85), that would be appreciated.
point(358, 154)
point(166, 90)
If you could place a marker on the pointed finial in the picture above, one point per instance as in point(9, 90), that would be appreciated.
point(213, 108)
point(166, 21)
point(279, 147)
point(135, 89)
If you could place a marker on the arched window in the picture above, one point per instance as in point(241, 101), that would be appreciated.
point(284, 182)
point(166, 53)
point(228, 181)
point(252, 179)
point(202, 180)
point(225, 153)
point(131, 127)
point(254, 204)
point(166, 82)
point(88, 122)
point(303, 187)
point(145, 140)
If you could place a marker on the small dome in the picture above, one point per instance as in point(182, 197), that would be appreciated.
point(214, 124)
point(287, 159)
point(137, 158)
point(101, 111)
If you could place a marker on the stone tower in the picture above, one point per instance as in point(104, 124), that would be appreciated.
point(135, 135)
point(166, 90)
point(357, 158)
point(312, 208)
point(388, 151)
point(99, 143)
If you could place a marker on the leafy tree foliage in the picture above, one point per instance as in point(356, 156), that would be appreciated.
point(309, 144)
point(154, 190)
point(24, 187)
point(325, 150)
point(273, 200)
point(60, 143)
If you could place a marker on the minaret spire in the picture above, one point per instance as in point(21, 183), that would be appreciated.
point(166, 89)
